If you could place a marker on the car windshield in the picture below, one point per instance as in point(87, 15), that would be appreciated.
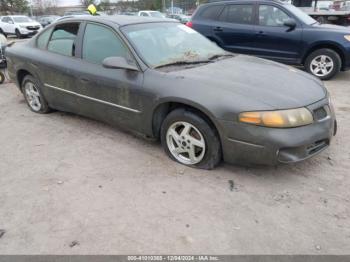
point(304, 17)
point(157, 14)
point(22, 19)
point(161, 44)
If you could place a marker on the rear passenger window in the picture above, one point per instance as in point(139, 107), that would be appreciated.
point(43, 39)
point(101, 42)
point(237, 14)
point(63, 39)
point(211, 12)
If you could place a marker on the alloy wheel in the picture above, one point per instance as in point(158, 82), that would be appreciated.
point(186, 143)
point(33, 96)
point(321, 65)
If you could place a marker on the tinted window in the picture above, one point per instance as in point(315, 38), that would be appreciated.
point(63, 39)
point(271, 16)
point(22, 19)
point(238, 14)
point(43, 39)
point(211, 12)
point(6, 19)
point(101, 42)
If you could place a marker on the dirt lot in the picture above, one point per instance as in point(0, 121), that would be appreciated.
point(70, 185)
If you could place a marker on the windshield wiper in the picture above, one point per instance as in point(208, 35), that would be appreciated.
point(180, 63)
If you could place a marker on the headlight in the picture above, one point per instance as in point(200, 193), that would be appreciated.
point(22, 26)
point(281, 119)
point(347, 37)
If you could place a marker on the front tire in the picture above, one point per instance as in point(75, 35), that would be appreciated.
point(323, 63)
point(2, 78)
point(3, 33)
point(190, 140)
point(33, 95)
point(18, 34)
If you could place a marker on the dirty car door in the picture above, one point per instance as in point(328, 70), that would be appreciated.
point(111, 95)
point(56, 65)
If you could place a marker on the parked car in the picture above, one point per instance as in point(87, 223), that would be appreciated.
point(149, 13)
point(48, 19)
point(19, 25)
point(71, 13)
point(164, 80)
point(277, 31)
point(181, 18)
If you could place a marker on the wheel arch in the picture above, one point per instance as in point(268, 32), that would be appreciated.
point(333, 46)
point(165, 107)
point(20, 75)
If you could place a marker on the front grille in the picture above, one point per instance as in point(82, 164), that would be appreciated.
point(33, 27)
point(321, 113)
point(317, 146)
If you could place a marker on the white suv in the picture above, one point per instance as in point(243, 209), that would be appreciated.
point(19, 25)
point(149, 13)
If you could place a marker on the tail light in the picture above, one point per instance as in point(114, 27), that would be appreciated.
point(189, 24)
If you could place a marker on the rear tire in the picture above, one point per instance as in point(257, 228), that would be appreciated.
point(190, 140)
point(33, 95)
point(323, 63)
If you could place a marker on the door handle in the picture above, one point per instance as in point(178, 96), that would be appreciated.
point(84, 80)
point(218, 29)
point(261, 33)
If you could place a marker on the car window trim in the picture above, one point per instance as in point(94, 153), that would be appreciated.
point(41, 33)
point(75, 41)
point(253, 22)
point(81, 42)
point(286, 11)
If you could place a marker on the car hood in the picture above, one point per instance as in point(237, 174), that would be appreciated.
point(275, 85)
point(336, 28)
point(29, 24)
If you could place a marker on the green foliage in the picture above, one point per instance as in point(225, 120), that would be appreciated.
point(13, 6)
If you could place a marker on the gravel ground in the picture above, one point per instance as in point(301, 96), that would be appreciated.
point(70, 185)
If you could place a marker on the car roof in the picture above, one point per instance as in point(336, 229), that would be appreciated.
point(117, 19)
point(215, 2)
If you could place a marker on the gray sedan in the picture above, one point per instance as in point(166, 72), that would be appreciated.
point(166, 81)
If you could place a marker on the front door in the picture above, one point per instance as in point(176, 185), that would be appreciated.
point(111, 95)
point(273, 39)
point(8, 25)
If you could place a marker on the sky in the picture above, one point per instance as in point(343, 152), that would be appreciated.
point(70, 2)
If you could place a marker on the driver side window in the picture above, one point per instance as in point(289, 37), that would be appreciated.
point(271, 16)
point(101, 42)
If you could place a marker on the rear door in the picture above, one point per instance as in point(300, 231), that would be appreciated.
point(236, 30)
point(273, 39)
point(207, 18)
point(57, 65)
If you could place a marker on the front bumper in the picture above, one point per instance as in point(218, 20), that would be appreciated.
point(27, 32)
point(249, 144)
point(346, 65)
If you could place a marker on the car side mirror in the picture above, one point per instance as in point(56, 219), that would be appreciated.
point(10, 22)
point(290, 23)
point(118, 62)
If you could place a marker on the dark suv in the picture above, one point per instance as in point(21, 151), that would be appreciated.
point(277, 31)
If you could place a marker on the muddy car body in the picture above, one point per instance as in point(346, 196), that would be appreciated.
point(204, 107)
